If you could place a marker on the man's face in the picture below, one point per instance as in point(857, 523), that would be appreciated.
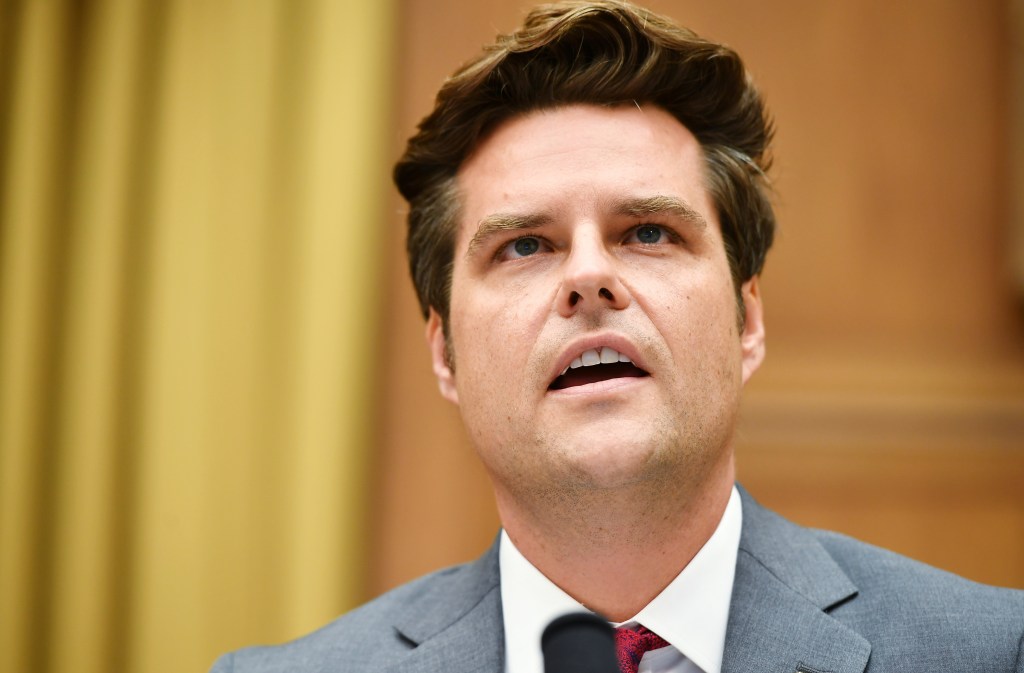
point(586, 233)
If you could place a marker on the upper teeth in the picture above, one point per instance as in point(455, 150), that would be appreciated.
point(594, 356)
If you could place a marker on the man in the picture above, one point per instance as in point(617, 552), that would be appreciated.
point(589, 213)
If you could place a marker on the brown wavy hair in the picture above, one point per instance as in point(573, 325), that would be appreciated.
point(602, 52)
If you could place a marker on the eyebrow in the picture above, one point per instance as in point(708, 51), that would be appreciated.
point(655, 205)
point(499, 222)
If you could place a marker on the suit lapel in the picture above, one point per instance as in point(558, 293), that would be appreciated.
point(786, 583)
point(457, 626)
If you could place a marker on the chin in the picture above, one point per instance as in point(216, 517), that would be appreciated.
point(604, 461)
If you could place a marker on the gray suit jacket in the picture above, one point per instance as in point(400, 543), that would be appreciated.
point(803, 600)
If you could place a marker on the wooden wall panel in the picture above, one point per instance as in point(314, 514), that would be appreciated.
point(931, 475)
point(1017, 138)
point(891, 405)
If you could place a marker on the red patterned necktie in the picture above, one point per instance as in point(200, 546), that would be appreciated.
point(631, 644)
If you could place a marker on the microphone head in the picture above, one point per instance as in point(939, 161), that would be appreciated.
point(579, 642)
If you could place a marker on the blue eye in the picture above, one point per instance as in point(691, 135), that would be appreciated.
point(648, 234)
point(526, 246)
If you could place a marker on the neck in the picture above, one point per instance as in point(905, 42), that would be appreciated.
point(615, 551)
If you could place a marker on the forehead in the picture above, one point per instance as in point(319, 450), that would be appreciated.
point(569, 160)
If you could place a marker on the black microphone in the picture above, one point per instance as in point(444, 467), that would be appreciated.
point(579, 642)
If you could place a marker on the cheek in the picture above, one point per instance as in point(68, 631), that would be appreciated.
point(491, 339)
point(497, 316)
point(699, 324)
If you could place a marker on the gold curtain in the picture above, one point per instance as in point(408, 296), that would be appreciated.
point(191, 219)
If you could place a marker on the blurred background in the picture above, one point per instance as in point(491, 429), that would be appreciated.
point(218, 424)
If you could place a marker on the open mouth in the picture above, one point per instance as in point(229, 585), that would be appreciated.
point(596, 365)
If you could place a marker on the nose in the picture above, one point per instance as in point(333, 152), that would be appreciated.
point(590, 280)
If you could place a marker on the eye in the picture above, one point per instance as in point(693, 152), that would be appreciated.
point(521, 247)
point(648, 234)
point(525, 246)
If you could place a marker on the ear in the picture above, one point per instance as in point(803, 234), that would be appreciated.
point(438, 354)
point(752, 338)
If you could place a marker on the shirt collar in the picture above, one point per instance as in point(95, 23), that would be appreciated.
point(691, 613)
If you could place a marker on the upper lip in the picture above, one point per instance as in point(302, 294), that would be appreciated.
point(576, 347)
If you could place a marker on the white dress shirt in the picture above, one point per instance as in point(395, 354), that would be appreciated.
point(690, 613)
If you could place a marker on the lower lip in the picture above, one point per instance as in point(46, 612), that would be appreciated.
point(600, 387)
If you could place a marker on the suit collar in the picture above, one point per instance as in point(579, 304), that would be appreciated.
point(793, 555)
point(456, 625)
point(786, 583)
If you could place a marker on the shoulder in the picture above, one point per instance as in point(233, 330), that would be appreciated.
point(916, 596)
point(909, 616)
point(915, 615)
point(367, 638)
